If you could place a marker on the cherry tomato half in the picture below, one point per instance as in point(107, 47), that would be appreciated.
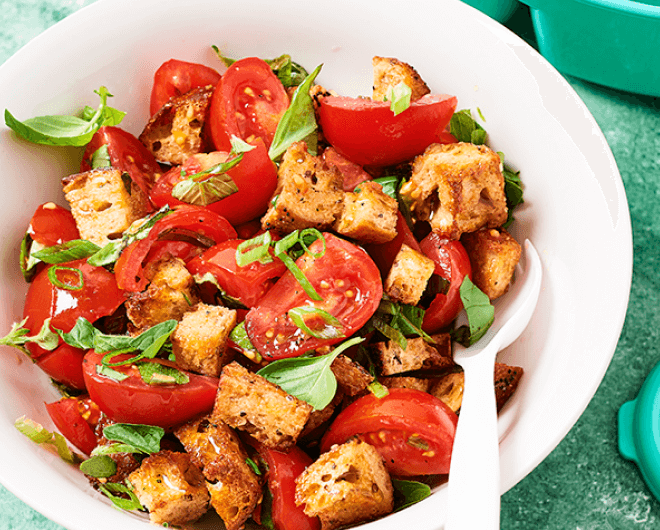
point(368, 133)
point(412, 430)
point(92, 293)
point(347, 280)
point(64, 365)
point(352, 173)
point(130, 265)
point(255, 176)
point(127, 154)
point(453, 264)
point(131, 400)
point(248, 102)
point(175, 77)
point(247, 284)
point(76, 418)
point(51, 225)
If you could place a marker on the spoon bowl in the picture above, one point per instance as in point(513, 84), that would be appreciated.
point(474, 474)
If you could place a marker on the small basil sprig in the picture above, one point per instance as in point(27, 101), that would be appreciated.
point(18, 337)
point(397, 321)
point(117, 494)
point(465, 128)
point(299, 121)
point(39, 435)
point(309, 379)
point(67, 251)
point(480, 313)
point(408, 492)
point(289, 73)
point(67, 130)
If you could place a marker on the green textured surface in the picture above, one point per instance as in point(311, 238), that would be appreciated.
point(583, 484)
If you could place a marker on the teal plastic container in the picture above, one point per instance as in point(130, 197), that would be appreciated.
point(615, 43)
point(639, 430)
point(500, 10)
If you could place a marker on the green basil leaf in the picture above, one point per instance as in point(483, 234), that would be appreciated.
point(409, 492)
point(65, 252)
point(114, 448)
point(159, 374)
point(101, 157)
point(465, 129)
point(390, 185)
point(132, 503)
point(299, 120)
point(39, 435)
point(240, 338)
point(289, 73)
point(101, 466)
point(309, 379)
point(27, 261)
point(267, 510)
point(225, 60)
point(480, 311)
point(146, 438)
point(64, 130)
point(204, 192)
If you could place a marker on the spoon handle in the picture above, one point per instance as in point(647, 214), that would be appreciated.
point(474, 475)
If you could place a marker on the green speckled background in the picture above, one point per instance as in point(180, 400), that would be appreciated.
point(583, 484)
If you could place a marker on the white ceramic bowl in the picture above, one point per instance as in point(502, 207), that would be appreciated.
point(575, 211)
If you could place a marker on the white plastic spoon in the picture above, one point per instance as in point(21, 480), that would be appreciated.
point(474, 474)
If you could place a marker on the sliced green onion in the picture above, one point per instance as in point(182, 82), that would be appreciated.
point(281, 248)
point(255, 249)
point(313, 234)
point(52, 276)
point(399, 97)
point(377, 389)
point(333, 327)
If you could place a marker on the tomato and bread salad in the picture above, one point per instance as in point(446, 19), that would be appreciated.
point(250, 307)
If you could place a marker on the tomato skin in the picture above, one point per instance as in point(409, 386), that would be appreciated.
point(52, 225)
point(255, 176)
point(389, 422)
point(175, 77)
point(283, 469)
point(134, 401)
point(67, 417)
point(127, 154)
point(352, 173)
point(254, 112)
point(384, 254)
point(346, 278)
point(368, 133)
point(452, 263)
point(98, 297)
point(247, 284)
point(129, 268)
point(64, 365)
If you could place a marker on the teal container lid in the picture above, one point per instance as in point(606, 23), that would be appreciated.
point(639, 430)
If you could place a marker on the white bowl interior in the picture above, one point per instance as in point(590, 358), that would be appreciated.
point(575, 211)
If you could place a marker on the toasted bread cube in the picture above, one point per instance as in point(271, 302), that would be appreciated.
point(104, 203)
point(251, 403)
point(418, 355)
point(389, 72)
point(171, 293)
point(369, 214)
point(458, 188)
point(400, 381)
point(449, 390)
point(351, 376)
point(506, 382)
point(309, 193)
point(171, 488)
point(347, 485)
point(494, 255)
point(174, 133)
point(234, 487)
point(408, 276)
point(199, 342)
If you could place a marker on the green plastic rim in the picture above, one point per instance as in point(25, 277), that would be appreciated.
point(628, 7)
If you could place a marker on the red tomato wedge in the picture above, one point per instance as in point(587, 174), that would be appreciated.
point(412, 430)
point(368, 133)
point(175, 77)
point(247, 284)
point(248, 102)
point(76, 419)
point(127, 154)
point(192, 219)
point(64, 365)
point(352, 173)
point(51, 225)
point(255, 176)
point(96, 297)
point(347, 280)
point(134, 401)
point(452, 263)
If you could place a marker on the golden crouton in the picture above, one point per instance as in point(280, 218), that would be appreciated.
point(369, 214)
point(234, 487)
point(199, 342)
point(171, 293)
point(416, 383)
point(104, 203)
point(390, 72)
point(457, 188)
point(171, 488)
point(309, 194)
point(418, 355)
point(449, 390)
point(347, 485)
point(174, 133)
point(493, 256)
point(351, 376)
point(408, 276)
point(251, 403)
